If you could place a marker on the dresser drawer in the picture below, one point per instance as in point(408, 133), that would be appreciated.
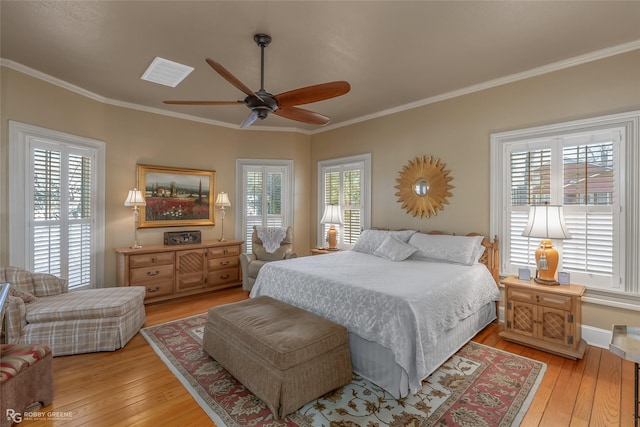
point(142, 276)
point(220, 277)
point(159, 288)
point(223, 251)
point(222, 263)
point(146, 260)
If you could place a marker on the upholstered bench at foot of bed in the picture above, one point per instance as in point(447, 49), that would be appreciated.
point(286, 356)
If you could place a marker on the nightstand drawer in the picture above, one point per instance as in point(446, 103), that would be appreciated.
point(562, 302)
point(146, 260)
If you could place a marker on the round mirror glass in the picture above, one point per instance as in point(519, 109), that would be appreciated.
point(421, 187)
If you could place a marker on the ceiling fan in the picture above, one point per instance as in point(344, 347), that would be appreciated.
point(261, 103)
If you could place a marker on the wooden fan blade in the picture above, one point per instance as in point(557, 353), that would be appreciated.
point(302, 115)
point(203, 102)
point(253, 116)
point(309, 94)
point(229, 77)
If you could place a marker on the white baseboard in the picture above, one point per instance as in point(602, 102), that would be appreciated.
point(596, 337)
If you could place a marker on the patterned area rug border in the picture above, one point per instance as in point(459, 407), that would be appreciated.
point(448, 396)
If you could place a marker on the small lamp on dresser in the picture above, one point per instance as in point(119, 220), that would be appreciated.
point(135, 199)
point(332, 216)
point(546, 222)
point(222, 201)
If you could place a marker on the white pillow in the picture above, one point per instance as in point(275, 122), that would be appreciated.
point(444, 248)
point(394, 249)
point(369, 240)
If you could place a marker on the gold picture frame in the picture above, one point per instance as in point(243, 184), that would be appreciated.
point(175, 197)
point(423, 186)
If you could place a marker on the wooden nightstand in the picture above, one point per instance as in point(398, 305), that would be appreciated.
point(544, 317)
point(322, 251)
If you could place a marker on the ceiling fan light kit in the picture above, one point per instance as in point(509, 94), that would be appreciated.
point(262, 103)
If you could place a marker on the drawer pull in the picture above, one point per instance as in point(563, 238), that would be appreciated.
point(225, 262)
point(152, 273)
point(153, 259)
point(157, 288)
point(225, 276)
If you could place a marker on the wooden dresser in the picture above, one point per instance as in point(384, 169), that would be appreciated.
point(545, 317)
point(174, 271)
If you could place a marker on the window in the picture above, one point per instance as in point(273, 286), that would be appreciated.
point(265, 189)
point(55, 180)
point(589, 167)
point(345, 182)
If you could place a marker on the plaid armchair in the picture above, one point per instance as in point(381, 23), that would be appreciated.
point(41, 310)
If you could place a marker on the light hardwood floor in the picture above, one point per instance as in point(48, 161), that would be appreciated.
point(133, 387)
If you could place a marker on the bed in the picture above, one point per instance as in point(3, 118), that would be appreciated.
point(409, 300)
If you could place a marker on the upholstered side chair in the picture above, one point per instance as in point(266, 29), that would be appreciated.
point(26, 375)
point(263, 252)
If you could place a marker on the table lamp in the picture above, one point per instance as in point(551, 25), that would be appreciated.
point(222, 201)
point(135, 199)
point(546, 222)
point(332, 216)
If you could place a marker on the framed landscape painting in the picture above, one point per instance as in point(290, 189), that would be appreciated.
point(175, 197)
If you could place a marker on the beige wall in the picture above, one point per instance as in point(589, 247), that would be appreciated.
point(456, 131)
point(134, 137)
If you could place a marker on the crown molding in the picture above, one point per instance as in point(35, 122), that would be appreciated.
point(534, 72)
point(545, 69)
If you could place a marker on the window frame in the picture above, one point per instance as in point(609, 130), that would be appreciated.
point(21, 137)
point(365, 193)
point(628, 167)
point(288, 210)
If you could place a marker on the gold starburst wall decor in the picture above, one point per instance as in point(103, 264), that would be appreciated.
point(423, 186)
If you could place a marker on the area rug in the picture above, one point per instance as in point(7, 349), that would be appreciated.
point(478, 386)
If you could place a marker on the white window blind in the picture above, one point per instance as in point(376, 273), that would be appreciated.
point(590, 168)
point(344, 182)
point(576, 171)
point(266, 196)
point(63, 230)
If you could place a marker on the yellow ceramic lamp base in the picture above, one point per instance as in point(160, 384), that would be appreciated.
point(546, 270)
point(332, 234)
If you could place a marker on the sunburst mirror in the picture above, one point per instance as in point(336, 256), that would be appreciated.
point(423, 186)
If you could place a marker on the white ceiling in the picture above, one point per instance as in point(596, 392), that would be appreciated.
point(395, 54)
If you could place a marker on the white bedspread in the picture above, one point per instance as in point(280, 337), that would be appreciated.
point(400, 305)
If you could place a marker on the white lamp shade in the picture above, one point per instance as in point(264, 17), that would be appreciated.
point(223, 200)
point(332, 215)
point(135, 198)
point(546, 222)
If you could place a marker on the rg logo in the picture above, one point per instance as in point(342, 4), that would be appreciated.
point(14, 416)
